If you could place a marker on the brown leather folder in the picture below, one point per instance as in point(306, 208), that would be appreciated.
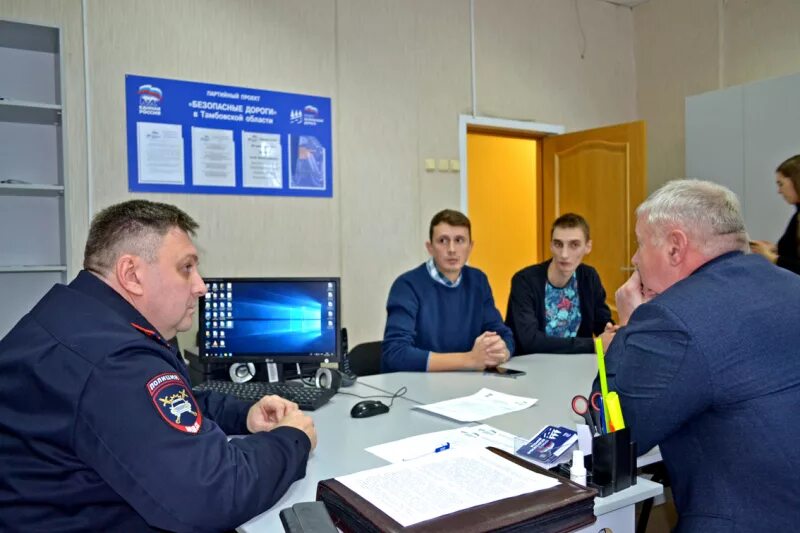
point(565, 507)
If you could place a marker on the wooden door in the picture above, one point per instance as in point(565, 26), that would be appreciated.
point(602, 175)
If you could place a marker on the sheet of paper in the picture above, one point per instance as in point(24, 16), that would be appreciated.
point(262, 163)
point(443, 483)
point(453, 439)
point(213, 161)
point(584, 438)
point(484, 404)
point(160, 153)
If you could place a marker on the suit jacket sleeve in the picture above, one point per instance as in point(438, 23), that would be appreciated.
point(399, 350)
point(660, 374)
point(523, 317)
point(175, 479)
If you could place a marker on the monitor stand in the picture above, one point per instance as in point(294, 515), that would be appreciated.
point(280, 372)
point(274, 372)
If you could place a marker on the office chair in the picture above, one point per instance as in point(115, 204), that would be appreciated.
point(365, 359)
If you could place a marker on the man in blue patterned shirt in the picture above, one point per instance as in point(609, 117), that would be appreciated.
point(556, 306)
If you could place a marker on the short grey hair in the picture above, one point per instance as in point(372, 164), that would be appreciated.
point(708, 212)
point(136, 227)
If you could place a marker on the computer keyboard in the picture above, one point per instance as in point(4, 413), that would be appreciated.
point(308, 398)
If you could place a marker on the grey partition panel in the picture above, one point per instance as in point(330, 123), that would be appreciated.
point(35, 76)
point(30, 153)
point(29, 233)
point(23, 289)
point(772, 116)
point(714, 138)
point(33, 213)
point(737, 137)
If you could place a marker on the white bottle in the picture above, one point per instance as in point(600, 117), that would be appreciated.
point(577, 471)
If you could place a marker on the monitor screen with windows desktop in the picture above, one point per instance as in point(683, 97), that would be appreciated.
point(275, 320)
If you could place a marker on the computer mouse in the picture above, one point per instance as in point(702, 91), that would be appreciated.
point(368, 408)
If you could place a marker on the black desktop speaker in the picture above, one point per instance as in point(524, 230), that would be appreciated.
point(348, 378)
point(329, 378)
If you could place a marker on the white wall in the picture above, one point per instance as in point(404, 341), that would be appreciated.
point(398, 72)
point(688, 47)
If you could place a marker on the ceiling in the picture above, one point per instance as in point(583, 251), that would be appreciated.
point(628, 3)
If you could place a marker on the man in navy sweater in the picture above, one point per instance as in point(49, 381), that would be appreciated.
point(441, 315)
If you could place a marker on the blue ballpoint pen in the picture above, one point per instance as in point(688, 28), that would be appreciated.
point(602, 413)
point(443, 447)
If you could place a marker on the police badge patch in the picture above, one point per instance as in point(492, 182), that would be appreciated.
point(175, 403)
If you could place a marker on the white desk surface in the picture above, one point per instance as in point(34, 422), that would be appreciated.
point(340, 448)
point(553, 379)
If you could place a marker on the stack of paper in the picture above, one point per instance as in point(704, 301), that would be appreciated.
point(443, 483)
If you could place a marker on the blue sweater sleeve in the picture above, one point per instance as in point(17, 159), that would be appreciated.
point(399, 337)
point(492, 321)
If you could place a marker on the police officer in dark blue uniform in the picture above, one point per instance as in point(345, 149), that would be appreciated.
point(99, 428)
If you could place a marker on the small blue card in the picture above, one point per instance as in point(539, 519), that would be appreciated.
point(549, 444)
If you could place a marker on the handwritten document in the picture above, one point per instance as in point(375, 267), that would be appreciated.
point(443, 483)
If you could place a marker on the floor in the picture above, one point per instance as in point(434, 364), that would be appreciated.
point(662, 517)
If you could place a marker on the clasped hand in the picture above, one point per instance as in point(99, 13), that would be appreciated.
point(271, 412)
point(489, 350)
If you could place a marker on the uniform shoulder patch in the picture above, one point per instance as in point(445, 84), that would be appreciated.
point(174, 402)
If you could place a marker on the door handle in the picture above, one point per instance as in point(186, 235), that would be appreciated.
point(627, 269)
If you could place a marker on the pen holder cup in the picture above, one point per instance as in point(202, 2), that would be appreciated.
point(613, 462)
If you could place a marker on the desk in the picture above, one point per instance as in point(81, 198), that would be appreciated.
point(552, 379)
point(342, 440)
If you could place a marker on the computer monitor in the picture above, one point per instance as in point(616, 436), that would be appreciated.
point(273, 320)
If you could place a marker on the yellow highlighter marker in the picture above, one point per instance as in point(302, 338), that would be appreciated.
point(601, 367)
point(615, 411)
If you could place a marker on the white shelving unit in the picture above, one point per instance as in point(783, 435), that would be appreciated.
point(33, 214)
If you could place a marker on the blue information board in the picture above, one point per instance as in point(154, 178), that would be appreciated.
point(187, 137)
